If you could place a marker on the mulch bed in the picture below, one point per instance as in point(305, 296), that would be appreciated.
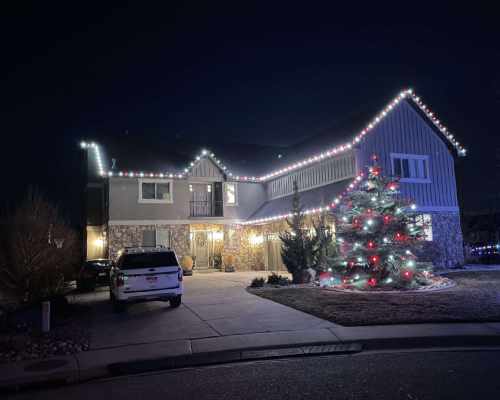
point(476, 297)
point(21, 339)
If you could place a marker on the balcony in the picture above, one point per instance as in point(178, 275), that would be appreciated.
point(202, 208)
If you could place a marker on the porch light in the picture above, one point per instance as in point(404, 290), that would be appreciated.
point(217, 235)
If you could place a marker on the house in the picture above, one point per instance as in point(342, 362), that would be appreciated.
point(207, 209)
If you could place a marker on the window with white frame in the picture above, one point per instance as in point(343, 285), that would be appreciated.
point(155, 191)
point(156, 237)
point(425, 221)
point(410, 167)
point(231, 194)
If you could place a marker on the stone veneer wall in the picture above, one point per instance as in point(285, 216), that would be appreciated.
point(120, 236)
point(447, 234)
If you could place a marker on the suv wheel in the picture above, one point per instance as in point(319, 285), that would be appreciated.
point(175, 301)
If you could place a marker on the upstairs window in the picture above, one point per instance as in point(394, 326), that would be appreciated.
point(155, 191)
point(231, 195)
point(410, 167)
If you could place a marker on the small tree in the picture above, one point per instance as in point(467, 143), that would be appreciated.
point(32, 266)
point(297, 247)
point(378, 237)
point(323, 243)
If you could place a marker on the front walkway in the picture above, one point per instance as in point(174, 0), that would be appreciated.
point(216, 309)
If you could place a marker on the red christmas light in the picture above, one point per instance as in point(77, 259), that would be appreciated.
point(372, 282)
point(407, 274)
point(392, 186)
point(399, 236)
point(376, 171)
point(387, 219)
point(371, 245)
point(350, 264)
point(374, 259)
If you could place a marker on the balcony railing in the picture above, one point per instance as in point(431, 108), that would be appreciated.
point(205, 209)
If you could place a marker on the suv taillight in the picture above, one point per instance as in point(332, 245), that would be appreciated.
point(180, 274)
point(120, 280)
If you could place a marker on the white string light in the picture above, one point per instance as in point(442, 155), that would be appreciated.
point(408, 93)
point(97, 153)
point(317, 210)
point(405, 94)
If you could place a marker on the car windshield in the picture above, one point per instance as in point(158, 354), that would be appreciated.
point(148, 260)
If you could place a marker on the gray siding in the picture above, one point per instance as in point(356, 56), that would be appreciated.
point(207, 169)
point(405, 131)
point(251, 196)
point(124, 205)
point(322, 173)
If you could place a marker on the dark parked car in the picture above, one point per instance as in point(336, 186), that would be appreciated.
point(94, 273)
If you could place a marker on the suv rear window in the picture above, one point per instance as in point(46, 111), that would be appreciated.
point(148, 260)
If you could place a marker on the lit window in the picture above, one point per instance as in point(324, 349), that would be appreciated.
point(425, 221)
point(410, 168)
point(231, 194)
point(190, 187)
point(209, 188)
point(155, 191)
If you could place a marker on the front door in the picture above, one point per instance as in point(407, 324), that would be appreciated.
point(201, 249)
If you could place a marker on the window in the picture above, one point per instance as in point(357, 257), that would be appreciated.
point(231, 195)
point(410, 168)
point(156, 237)
point(209, 188)
point(425, 221)
point(148, 238)
point(155, 191)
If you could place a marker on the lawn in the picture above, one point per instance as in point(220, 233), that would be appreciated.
point(475, 298)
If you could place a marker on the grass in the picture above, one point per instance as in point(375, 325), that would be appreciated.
point(475, 298)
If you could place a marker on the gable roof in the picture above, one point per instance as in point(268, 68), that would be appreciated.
point(166, 157)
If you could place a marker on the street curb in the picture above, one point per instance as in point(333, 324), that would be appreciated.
point(230, 356)
point(17, 376)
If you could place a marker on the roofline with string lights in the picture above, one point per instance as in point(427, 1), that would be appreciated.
point(405, 94)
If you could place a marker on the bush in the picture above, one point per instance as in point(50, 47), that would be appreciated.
point(32, 266)
point(257, 282)
point(280, 280)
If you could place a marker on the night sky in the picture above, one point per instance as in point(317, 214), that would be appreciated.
point(265, 74)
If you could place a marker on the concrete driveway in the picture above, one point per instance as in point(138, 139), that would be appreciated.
point(215, 306)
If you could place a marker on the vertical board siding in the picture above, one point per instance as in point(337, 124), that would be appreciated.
point(319, 174)
point(206, 168)
point(405, 131)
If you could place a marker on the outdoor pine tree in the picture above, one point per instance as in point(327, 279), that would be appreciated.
point(297, 247)
point(377, 236)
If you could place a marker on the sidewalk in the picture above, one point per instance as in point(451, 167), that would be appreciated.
point(107, 362)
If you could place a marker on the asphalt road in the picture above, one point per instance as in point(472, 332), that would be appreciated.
point(403, 375)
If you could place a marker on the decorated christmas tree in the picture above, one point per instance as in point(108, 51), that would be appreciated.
point(377, 236)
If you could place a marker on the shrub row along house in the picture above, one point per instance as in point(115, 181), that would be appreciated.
point(209, 209)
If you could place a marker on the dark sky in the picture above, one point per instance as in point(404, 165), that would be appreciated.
point(270, 74)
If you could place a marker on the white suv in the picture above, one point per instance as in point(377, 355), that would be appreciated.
point(144, 274)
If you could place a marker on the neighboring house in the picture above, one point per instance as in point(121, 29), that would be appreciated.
point(208, 210)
